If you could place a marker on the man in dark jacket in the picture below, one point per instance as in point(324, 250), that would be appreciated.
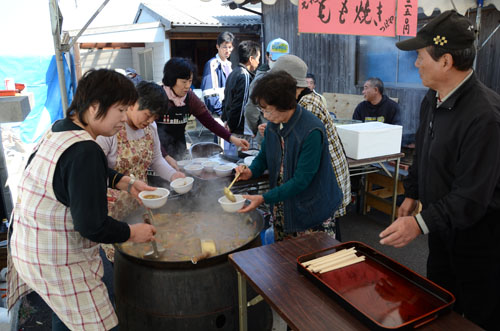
point(455, 172)
point(237, 89)
point(377, 106)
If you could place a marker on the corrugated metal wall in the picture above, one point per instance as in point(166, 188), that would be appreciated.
point(332, 58)
point(488, 60)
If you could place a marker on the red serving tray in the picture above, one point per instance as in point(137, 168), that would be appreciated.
point(379, 291)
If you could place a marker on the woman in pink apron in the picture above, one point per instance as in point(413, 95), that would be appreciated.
point(61, 211)
point(135, 149)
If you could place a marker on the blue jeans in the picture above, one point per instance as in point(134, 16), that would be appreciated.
point(58, 325)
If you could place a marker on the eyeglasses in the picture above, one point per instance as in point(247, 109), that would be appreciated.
point(226, 47)
point(265, 112)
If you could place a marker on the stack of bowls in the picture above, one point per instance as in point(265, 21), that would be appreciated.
point(224, 170)
point(194, 169)
point(182, 163)
point(208, 166)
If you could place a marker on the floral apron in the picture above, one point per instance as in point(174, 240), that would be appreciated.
point(133, 158)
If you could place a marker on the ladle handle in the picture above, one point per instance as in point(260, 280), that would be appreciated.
point(150, 221)
point(235, 178)
point(155, 249)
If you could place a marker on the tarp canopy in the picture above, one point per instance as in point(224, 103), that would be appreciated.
point(39, 74)
point(462, 6)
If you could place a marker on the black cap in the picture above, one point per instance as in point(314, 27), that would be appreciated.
point(449, 30)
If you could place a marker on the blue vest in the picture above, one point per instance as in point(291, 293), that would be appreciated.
point(322, 197)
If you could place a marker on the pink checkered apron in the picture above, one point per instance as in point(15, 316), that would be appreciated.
point(47, 255)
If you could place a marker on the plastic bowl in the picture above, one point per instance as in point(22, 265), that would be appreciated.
point(194, 169)
point(161, 196)
point(223, 170)
point(182, 185)
point(248, 160)
point(232, 207)
point(183, 163)
point(208, 166)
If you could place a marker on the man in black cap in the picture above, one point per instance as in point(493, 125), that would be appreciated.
point(455, 172)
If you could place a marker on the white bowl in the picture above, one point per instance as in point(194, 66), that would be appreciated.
point(232, 207)
point(208, 166)
point(160, 198)
point(183, 163)
point(248, 160)
point(200, 160)
point(194, 169)
point(182, 185)
point(223, 170)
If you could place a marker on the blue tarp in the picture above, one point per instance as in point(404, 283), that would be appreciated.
point(39, 74)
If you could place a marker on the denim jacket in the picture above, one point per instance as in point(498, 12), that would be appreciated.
point(322, 197)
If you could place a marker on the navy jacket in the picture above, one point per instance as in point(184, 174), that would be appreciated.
point(322, 197)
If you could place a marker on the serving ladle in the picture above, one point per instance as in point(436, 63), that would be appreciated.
point(227, 190)
point(156, 253)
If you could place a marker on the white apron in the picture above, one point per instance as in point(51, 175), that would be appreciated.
point(47, 255)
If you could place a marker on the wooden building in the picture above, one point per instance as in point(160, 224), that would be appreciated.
point(162, 30)
point(341, 63)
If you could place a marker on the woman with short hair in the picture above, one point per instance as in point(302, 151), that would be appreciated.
point(61, 210)
point(182, 102)
point(304, 191)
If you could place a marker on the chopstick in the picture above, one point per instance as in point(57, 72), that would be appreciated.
point(340, 259)
point(328, 257)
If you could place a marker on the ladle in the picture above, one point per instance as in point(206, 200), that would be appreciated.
point(227, 190)
point(156, 253)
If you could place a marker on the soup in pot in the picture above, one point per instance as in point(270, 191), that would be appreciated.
point(180, 234)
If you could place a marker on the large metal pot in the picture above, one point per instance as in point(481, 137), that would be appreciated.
point(180, 295)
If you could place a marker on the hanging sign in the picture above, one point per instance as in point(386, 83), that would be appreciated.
point(407, 17)
point(352, 17)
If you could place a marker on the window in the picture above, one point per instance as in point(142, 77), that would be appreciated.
point(146, 64)
point(379, 57)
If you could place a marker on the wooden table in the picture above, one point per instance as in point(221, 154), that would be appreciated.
point(365, 166)
point(271, 270)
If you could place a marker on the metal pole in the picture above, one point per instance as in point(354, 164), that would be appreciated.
point(56, 34)
point(478, 28)
point(88, 23)
point(242, 302)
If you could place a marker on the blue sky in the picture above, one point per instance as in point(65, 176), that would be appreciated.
point(26, 29)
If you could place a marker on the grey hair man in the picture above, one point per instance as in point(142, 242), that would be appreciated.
point(377, 106)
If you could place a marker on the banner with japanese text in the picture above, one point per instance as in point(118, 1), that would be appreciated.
point(407, 17)
point(354, 17)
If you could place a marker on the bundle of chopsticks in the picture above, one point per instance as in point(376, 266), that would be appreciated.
point(339, 259)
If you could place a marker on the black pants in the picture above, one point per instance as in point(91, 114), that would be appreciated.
point(467, 263)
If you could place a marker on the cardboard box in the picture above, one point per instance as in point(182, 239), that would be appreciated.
point(371, 139)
